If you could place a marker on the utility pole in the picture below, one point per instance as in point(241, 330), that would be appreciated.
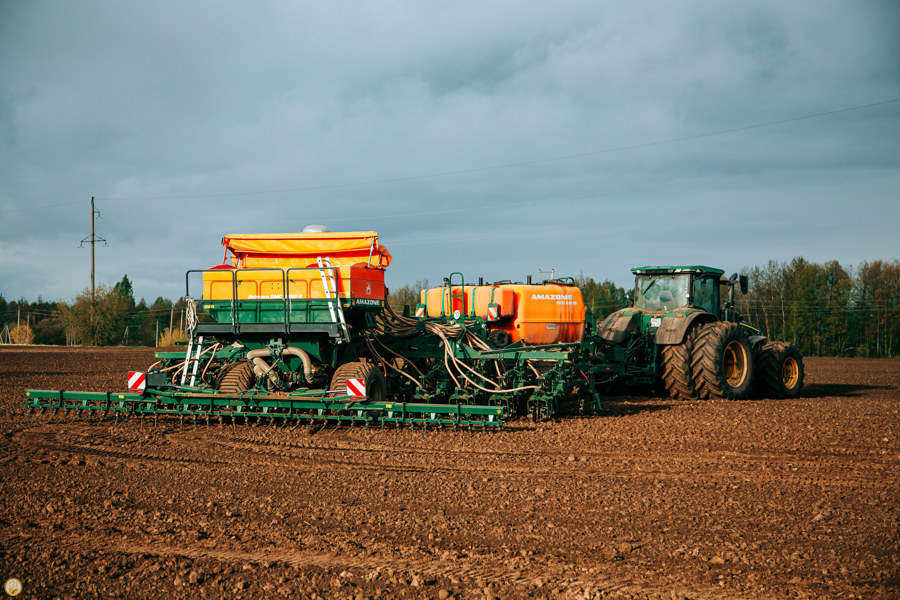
point(93, 239)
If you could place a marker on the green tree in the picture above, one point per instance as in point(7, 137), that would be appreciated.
point(124, 290)
point(98, 323)
point(407, 295)
point(603, 298)
point(876, 300)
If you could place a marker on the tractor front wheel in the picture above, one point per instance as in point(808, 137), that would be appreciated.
point(677, 373)
point(779, 370)
point(722, 362)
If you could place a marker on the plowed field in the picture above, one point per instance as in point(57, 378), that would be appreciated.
point(654, 499)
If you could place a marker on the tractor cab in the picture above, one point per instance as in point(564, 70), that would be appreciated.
point(664, 289)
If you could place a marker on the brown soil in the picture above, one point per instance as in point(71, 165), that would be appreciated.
point(654, 499)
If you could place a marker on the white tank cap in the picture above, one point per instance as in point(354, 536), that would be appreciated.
point(316, 229)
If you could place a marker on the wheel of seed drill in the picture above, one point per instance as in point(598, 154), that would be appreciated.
point(371, 375)
point(722, 362)
point(779, 370)
point(499, 338)
point(236, 378)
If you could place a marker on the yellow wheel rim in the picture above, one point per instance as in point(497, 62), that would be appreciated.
point(790, 372)
point(735, 364)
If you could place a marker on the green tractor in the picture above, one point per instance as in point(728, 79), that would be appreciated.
point(703, 348)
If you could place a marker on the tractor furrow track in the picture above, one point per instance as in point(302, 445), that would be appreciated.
point(197, 447)
point(49, 441)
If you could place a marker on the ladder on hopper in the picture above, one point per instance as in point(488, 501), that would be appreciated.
point(334, 306)
point(195, 360)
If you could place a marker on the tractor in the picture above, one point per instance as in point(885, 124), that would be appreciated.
point(693, 341)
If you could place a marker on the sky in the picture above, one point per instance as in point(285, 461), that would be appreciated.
point(495, 139)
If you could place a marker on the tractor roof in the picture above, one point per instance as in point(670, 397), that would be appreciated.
point(678, 269)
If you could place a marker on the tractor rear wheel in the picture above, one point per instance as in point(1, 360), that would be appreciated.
point(779, 370)
point(236, 378)
point(722, 362)
point(371, 375)
point(677, 374)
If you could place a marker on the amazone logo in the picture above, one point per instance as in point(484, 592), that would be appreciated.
point(551, 297)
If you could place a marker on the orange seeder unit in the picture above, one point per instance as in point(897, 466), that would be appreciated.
point(535, 314)
point(261, 263)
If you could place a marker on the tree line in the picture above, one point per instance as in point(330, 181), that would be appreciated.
point(824, 309)
point(109, 317)
point(828, 310)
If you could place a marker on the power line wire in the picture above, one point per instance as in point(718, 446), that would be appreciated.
point(478, 169)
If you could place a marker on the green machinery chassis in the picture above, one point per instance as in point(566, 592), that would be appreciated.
point(490, 385)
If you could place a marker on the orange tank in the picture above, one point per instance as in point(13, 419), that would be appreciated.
point(534, 314)
point(470, 301)
point(261, 264)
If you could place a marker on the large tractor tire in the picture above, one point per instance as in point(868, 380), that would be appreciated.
point(779, 370)
point(236, 378)
point(722, 362)
point(677, 372)
point(371, 375)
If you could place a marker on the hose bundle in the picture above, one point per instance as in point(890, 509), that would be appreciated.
point(390, 323)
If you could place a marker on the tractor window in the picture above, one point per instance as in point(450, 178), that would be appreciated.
point(706, 294)
point(660, 292)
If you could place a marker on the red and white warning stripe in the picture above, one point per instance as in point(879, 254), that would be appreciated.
point(137, 381)
point(356, 388)
point(492, 313)
point(420, 312)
